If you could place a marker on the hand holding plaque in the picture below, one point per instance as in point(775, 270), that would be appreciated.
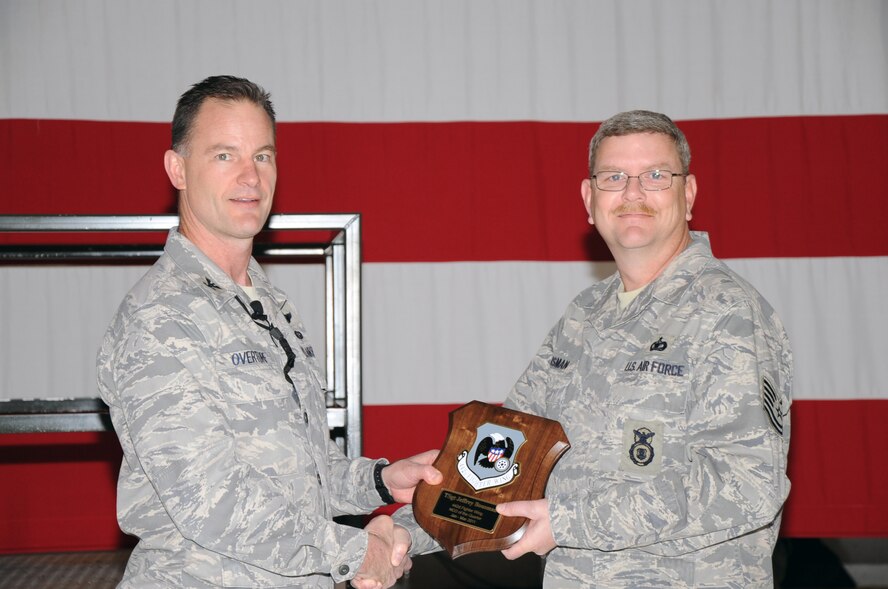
point(492, 455)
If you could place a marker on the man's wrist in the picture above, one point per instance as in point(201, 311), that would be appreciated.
point(383, 491)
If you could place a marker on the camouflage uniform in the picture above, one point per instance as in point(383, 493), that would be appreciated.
point(677, 411)
point(676, 408)
point(229, 477)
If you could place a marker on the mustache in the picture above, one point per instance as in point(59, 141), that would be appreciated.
point(634, 209)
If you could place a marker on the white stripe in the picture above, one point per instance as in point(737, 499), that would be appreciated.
point(835, 314)
point(451, 332)
point(426, 60)
point(53, 318)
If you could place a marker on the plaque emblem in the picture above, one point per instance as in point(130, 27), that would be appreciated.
point(490, 462)
point(481, 469)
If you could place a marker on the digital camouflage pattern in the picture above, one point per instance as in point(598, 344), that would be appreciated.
point(677, 411)
point(677, 471)
point(229, 476)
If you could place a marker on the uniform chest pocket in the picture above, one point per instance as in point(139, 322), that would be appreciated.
point(559, 389)
point(259, 411)
point(648, 396)
point(650, 382)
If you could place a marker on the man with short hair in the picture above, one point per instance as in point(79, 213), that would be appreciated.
point(672, 380)
point(229, 476)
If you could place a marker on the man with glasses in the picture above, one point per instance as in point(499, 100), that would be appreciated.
point(229, 477)
point(672, 379)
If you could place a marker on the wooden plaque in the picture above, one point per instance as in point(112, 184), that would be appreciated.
point(492, 455)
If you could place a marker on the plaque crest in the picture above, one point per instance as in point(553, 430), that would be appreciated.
point(490, 462)
point(481, 469)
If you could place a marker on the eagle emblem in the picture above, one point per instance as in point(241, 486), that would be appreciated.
point(490, 462)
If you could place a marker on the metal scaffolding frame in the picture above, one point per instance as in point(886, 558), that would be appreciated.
point(342, 262)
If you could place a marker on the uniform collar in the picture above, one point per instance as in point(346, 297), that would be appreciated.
point(212, 280)
point(668, 287)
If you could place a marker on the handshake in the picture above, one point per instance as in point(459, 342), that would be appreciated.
point(388, 544)
point(387, 559)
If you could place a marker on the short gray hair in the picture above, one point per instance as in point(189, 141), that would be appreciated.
point(640, 121)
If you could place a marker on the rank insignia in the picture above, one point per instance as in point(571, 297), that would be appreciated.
point(773, 404)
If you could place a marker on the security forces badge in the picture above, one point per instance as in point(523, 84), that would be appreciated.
point(490, 462)
point(642, 450)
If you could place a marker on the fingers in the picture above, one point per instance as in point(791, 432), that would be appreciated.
point(431, 475)
point(387, 554)
point(376, 570)
point(538, 537)
point(364, 583)
point(382, 526)
point(400, 546)
point(426, 457)
point(401, 477)
point(516, 509)
point(514, 551)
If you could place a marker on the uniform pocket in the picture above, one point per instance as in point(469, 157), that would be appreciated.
point(247, 376)
point(647, 394)
point(647, 427)
point(260, 411)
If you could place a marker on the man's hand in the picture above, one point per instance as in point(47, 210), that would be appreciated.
point(400, 550)
point(379, 571)
point(401, 477)
point(538, 536)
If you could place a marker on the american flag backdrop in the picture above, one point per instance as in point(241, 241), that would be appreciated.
point(458, 130)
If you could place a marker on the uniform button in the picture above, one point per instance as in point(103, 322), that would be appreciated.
point(319, 478)
point(343, 570)
point(305, 416)
point(298, 334)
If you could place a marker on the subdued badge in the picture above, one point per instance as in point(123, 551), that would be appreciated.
point(642, 448)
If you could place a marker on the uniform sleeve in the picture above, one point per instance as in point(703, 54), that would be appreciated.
point(733, 480)
point(187, 447)
point(351, 486)
point(422, 542)
point(530, 393)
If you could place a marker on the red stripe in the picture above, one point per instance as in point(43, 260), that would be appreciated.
point(837, 469)
point(64, 492)
point(769, 187)
point(58, 492)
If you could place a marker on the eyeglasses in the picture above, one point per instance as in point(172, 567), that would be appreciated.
point(614, 181)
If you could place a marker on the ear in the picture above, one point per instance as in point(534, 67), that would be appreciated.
point(690, 195)
point(586, 192)
point(175, 168)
